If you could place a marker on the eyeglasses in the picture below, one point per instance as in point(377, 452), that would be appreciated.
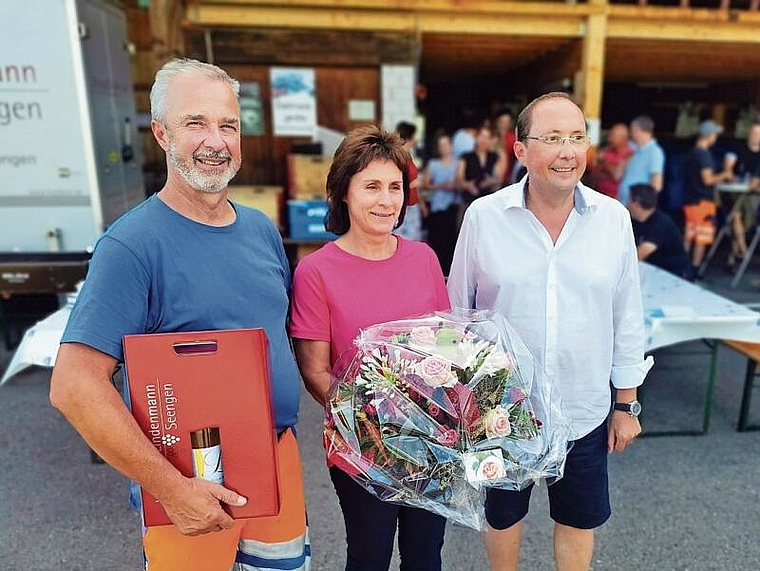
point(555, 140)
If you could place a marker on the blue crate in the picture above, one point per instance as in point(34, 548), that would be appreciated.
point(306, 220)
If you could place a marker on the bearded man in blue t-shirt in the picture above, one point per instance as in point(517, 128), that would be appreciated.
point(187, 259)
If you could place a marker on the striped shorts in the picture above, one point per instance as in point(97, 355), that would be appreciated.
point(279, 542)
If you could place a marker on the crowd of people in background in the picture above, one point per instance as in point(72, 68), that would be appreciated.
point(479, 159)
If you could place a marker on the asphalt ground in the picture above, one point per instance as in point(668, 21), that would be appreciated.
point(680, 503)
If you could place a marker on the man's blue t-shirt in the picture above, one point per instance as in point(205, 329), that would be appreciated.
point(648, 160)
point(156, 271)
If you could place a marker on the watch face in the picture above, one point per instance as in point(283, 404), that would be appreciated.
point(635, 408)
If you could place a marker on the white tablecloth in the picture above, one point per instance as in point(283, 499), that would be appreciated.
point(39, 346)
point(676, 310)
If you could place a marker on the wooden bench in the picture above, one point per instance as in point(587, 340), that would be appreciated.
point(752, 352)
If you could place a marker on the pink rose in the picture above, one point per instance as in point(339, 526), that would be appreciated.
point(434, 410)
point(497, 423)
point(516, 395)
point(491, 469)
point(436, 372)
point(422, 336)
point(449, 437)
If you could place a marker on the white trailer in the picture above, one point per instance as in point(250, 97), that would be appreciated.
point(69, 162)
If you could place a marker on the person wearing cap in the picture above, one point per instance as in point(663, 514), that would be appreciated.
point(647, 164)
point(699, 206)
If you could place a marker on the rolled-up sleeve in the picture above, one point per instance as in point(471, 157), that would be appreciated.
point(629, 367)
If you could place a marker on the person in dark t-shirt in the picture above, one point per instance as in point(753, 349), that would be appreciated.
point(699, 207)
point(658, 239)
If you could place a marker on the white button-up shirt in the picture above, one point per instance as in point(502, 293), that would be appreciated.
point(576, 304)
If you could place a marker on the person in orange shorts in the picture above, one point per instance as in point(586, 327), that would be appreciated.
point(699, 207)
point(188, 259)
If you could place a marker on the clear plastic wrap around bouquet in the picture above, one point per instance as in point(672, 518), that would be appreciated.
point(427, 411)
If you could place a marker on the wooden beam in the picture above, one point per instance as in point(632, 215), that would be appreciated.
point(489, 7)
point(671, 29)
point(525, 25)
point(667, 13)
point(270, 46)
point(689, 24)
point(559, 24)
point(588, 89)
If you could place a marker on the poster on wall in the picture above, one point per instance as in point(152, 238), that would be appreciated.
point(294, 104)
point(251, 109)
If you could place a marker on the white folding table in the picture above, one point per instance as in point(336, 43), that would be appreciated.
point(676, 311)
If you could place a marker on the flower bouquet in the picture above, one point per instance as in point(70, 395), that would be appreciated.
point(427, 411)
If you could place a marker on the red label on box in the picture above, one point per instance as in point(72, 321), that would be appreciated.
point(180, 383)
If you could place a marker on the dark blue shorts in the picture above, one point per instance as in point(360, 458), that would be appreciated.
point(579, 499)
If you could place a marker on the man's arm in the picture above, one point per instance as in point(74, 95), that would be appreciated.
point(656, 167)
point(81, 389)
point(645, 249)
point(656, 181)
point(629, 367)
point(623, 427)
point(710, 177)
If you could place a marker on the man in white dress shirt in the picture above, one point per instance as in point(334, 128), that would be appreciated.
point(559, 261)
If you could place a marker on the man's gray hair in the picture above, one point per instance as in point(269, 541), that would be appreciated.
point(644, 122)
point(175, 67)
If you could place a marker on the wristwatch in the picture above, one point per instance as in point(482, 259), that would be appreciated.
point(632, 408)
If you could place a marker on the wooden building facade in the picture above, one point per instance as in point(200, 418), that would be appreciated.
point(617, 59)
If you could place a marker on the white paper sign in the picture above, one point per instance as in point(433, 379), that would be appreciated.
point(294, 103)
point(484, 465)
point(361, 110)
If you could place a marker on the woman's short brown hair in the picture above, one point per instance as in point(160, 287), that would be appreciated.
point(360, 147)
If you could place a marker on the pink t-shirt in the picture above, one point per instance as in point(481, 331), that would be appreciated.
point(336, 293)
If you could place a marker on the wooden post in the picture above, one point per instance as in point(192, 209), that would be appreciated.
point(589, 82)
point(718, 114)
point(166, 29)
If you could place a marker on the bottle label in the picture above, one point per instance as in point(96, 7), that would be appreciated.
point(207, 463)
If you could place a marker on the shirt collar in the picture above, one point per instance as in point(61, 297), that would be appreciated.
point(585, 198)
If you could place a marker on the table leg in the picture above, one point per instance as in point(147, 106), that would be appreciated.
point(707, 411)
point(725, 229)
point(749, 381)
point(710, 387)
point(747, 258)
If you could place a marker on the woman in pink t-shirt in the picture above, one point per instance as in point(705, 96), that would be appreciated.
point(367, 276)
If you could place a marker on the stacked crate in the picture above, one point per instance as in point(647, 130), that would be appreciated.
point(268, 199)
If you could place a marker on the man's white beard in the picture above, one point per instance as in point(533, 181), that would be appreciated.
point(198, 179)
